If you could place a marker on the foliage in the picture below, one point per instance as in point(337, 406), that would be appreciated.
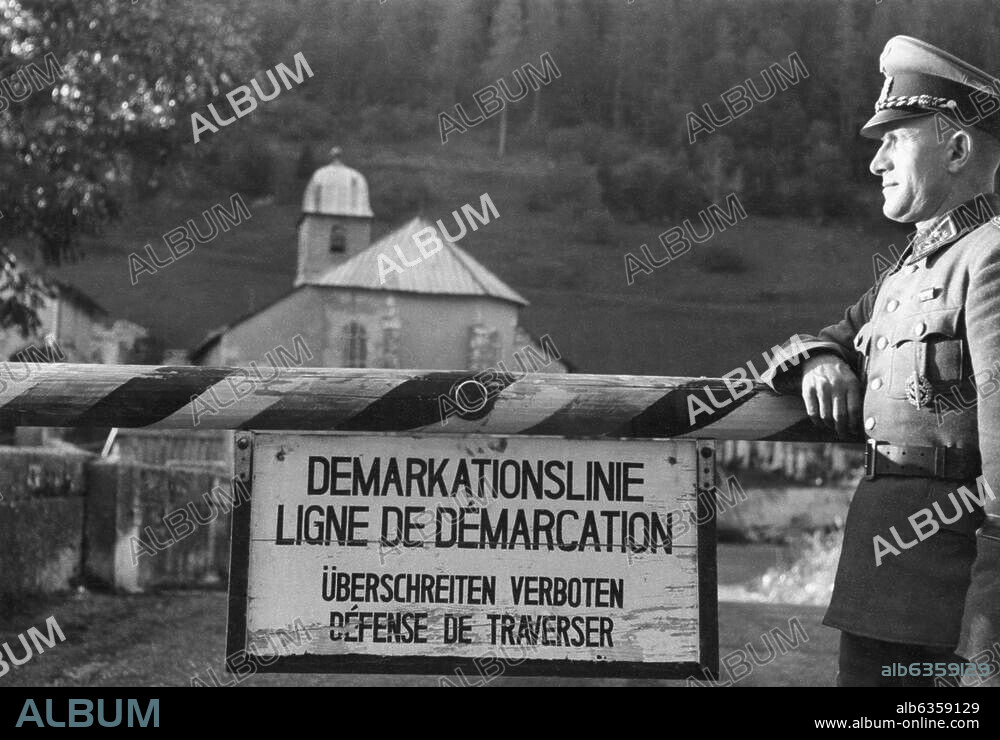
point(592, 142)
point(250, 168)
point(722, 260)
point(651, 188)
point(21, 295)
point(296, 115)
point(132, 73)
point(565, 143)
point(112, 103)
point(394, 124)
point(397, 196)
point(306, 164)
point(595, 225)
point(559, 187)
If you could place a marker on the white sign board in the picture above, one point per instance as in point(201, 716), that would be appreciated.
point(466, 556)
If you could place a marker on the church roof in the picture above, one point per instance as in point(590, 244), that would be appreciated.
point(449, 271)
point(337, 190)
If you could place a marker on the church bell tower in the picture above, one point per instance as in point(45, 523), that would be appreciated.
point(336, 220)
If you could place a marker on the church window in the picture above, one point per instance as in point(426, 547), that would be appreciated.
point(355, 345)
point(338, 239)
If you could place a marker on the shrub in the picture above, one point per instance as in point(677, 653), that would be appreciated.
point(564, 143)
point(398, 194)
point(250, 169)
point(538, 201)
point(722, 260)
point(603, 146)
point(595, 225)
point(650, 187)
point(570, 275)
point(529, 136)
point(305, 165)
point(297, 116)
point(593, 143)
point(558, 187)
point(394, 124)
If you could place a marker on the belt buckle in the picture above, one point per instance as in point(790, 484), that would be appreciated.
point(871, 448)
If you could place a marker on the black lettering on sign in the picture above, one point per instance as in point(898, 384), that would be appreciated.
point(567, 530)
point(573, 592)
point(483, 478)
point(323, 525)
point(402, 525)
point(551, 630)
point(316, 488)
point(378, 627)
point(457, 629)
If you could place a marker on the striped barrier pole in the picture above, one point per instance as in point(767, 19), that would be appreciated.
point(378, 400)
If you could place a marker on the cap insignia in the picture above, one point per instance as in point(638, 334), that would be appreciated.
point(886, 89)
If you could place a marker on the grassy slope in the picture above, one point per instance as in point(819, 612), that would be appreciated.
point(680, 320)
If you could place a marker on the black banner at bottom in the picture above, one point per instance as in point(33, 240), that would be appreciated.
point(299, 708)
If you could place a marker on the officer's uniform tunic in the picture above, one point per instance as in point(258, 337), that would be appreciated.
point(913, 347)
point(925, 343)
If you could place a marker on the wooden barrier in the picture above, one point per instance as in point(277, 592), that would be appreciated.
point(377, 400)
point(636, 517)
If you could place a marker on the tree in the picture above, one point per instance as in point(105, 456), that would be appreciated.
point(825, 189)
point(456, 49)
point(715, 158)
point(660, 89)
point(305, 165)
point(120, 84)
point(506, 52)
point(851, 87)
point(615, 59)
point(726, 64)
point(576, 98)
point(540, 32)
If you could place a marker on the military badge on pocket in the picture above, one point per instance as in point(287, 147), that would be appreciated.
point(919, 391)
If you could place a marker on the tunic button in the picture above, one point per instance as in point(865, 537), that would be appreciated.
point(882, 343)
point(876, 384)
point(870, 423)
point(919, 328)
point(892, 305)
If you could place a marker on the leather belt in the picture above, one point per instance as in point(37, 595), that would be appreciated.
point(950, 463)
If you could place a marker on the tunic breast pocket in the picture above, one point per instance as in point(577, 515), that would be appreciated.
point(928, 346)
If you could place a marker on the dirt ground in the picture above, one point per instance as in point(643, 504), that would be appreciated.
point(168, 638)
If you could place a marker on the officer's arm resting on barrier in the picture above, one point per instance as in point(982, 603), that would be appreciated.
point(843, 340)
point(831, 392)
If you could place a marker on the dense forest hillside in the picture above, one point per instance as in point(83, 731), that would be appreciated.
point(585, 168)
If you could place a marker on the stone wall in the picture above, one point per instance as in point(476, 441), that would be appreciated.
point(41, 519)
point(150, 526)
point(69, 518)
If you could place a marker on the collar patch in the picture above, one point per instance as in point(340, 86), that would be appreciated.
point(944, 232)
point(961, 220)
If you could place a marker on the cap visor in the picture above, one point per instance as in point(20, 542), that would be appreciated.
point(880, 121)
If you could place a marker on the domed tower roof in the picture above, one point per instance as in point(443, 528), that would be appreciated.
point(337, 190)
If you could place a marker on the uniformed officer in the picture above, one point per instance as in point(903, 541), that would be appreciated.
point(916, 363)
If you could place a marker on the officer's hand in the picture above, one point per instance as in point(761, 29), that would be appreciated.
point(832, 394)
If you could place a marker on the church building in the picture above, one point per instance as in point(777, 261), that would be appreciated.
point(437, 309)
